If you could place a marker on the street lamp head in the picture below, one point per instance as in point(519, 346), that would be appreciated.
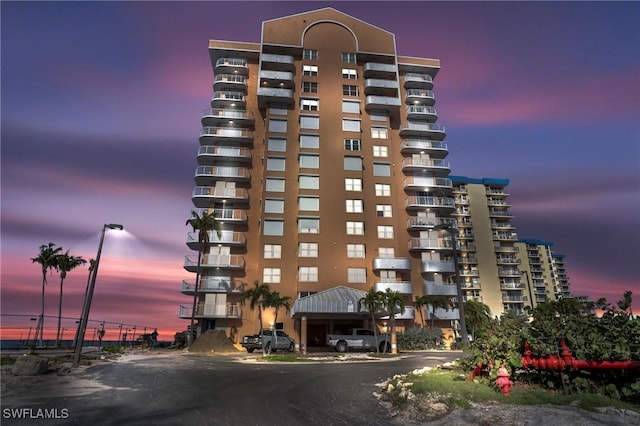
point(114, 226)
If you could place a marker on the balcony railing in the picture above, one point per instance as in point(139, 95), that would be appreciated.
point(425, 163)
point(419, 96)
point(226, 97)
point(267, 95)
point(430, 244)
point(212, 311)
point(229, 82)
point(233, 261)
point(416, 222)
point(420, 201)
point(226, 215)
point(225, 115)
point(443, 314)
point(422, 112)
point(397, 263)
point(409, 313)
point(232, 65)
point(213, 285)
point(271, 61)
point(439, 266)
point(432, 130)
point(416, 145)
point(381, 102)
point(373, 69)
point(376, 86)
point(417, 81)
point(208, 154)
point(424, 183)
point(202, 196)
point(276, 78)
point(221, 133)
point(205, 174)
point(430, 289)
point(403, 287)
point(225, 238)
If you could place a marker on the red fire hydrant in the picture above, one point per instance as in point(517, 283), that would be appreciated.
point(503, 382)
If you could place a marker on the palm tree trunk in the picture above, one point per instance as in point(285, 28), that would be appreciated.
point(59, 313)
point(375, 331)
point(394, 341)
point(195, 299)
point(41, 319)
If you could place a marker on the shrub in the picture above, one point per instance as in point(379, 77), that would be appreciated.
point(420, 338)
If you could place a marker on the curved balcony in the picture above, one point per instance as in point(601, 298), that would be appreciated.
point(276, 79)
point(267, 95)
point(436, 149)
point(437, 266)
point(500, 213)
point(420, 97)
point(234, 82)
point(225, 99)
point(204, 196)
point(507, 260)
point(427, 183)
point(228, 261)
point(430, 244)
point(511, 286)
point(443, 314)
point(213, 135)
point(271, 61)
point(225, 117)
point(376, 86)
point(226, 215)
point(408, 314)
point(422, 112)
point(377, 70)
point(209, 155)
point(381, 102)
point(432, 289)
point(505, 236)
point(431, 202)
point(509, 272)
point(231, 66)
point(417, 81)
point(212, 285)
point(415, 223)
point(226, 238)
point(435, 166)
point(428, 130)
point(403, 287)
point(393, 263)
point(208, 175)
point(212, 311)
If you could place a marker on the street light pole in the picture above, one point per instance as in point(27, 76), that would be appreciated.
point(89, 295)
point(463, 323)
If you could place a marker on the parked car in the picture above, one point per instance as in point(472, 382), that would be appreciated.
point(281, 342)
point(359, 338)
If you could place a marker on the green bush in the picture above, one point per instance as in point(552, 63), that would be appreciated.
point(420, 338)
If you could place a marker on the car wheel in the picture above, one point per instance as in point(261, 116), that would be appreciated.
point(250, 350)
point(341, 346)
point(385, 347)
point(292, 347)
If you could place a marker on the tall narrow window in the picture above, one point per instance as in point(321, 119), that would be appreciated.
point(348, 57)
point(309, 87)
point(350, 90)
point(352, 144)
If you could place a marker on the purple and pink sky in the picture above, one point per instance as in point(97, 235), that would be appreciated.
point(101, 105)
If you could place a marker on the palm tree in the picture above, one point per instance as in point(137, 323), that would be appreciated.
point(477, 316)
point(436, 302)
point(275, 301)
point(372, 302)
point(419, 304)
point(66, 263)
point(393, 300)
point(257, 297)
point(204, 225)
point(48, 260)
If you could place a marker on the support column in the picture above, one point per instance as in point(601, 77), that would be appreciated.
point(303, 335)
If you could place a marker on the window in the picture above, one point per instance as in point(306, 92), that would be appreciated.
point(378, 115)
point(279, 145)
point(308, 250)
point(355, 228)
point(388, 276)
point(278, 126)
point(309, 182)
point(353, 163)
point(380, 151)
point(354, 206)
point(386, 252)
point(352, 107)
point(275, 164)
point(385, 232)
point(309, 87)
point(309, 203)
point(352, 144)
point(310, 141)
point(309, 104)
point(383, 210)
point(308, 225)
point(349, 74)
point(353, 184)
point(308, 274)
point(309, 122)
point(383, 190)
point(355, 251)
point(357, 275)
point(309, 161)
point(274, 185)
point(273, 227)
point(273, 205)
point(351, 125)
point(348, 57)
point(309, 54)
point(271, 275)
point(381, 169)
point(350, 90)
point(311, 70)
point(278, 109)
point(379, 133)
point(272, 251)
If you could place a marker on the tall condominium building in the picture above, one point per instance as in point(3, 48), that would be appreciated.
point(322, 159)
point(490, 268)
point(545, 272)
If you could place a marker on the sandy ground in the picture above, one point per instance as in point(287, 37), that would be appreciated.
point(15, 390)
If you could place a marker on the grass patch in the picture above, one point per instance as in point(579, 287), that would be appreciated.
point(284, 358)
point(7, 360)
point(450, 387)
